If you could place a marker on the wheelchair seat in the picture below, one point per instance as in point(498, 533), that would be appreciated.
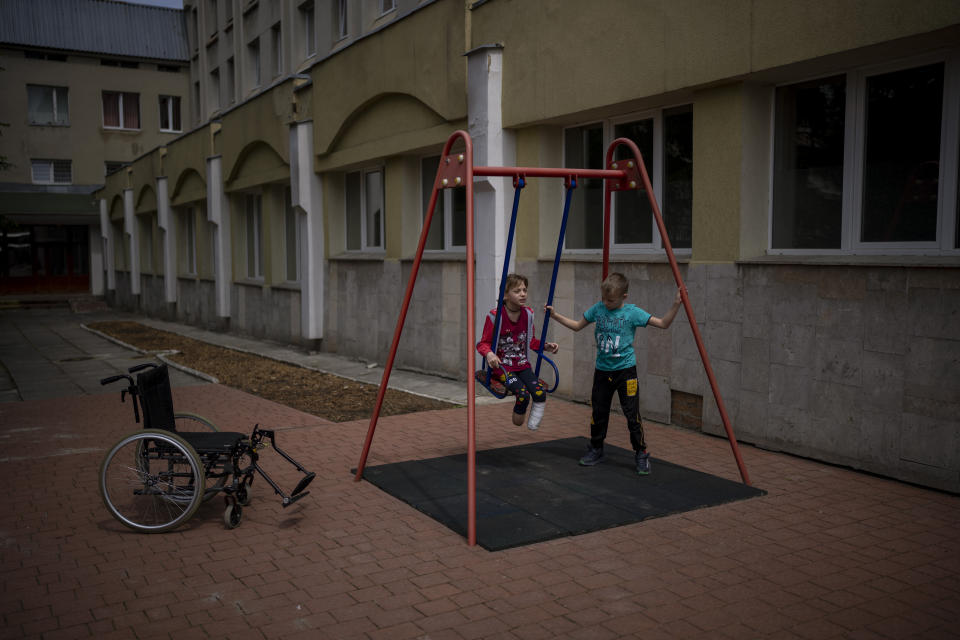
point(156, 400)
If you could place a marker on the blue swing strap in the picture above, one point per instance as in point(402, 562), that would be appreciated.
point(484, 376)
point(571, 184)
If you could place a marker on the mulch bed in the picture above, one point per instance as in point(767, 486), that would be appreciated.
point(321, 394)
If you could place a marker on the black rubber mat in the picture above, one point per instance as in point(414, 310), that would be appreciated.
point(538, 492)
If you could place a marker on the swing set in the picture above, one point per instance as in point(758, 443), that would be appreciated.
point(456, 170)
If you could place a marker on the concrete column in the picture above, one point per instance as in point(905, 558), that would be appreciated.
point(166, 223)
point(306, 192)
point(218, 212)
point(106, 232)
point(133, 236)
point(492, 146)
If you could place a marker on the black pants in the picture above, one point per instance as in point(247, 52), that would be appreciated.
point(624, 383)
point(524, 384)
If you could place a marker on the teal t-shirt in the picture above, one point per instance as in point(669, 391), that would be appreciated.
point(614, 331)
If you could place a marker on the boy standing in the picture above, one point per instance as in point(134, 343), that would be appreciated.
point(616, 367)
point(510, 363)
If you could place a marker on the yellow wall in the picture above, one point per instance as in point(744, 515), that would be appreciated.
point(563, 57)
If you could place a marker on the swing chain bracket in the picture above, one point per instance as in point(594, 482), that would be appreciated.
point(452, 172)
point(631, 181)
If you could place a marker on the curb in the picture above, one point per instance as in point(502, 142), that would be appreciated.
point(162, 356)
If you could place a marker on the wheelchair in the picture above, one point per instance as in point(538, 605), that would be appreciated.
point(155, 479)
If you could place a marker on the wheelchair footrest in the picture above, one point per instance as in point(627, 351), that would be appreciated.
point(307, 479)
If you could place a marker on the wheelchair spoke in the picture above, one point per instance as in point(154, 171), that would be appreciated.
point(157, 492)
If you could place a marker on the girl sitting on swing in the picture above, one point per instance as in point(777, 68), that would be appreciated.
point(509, 364)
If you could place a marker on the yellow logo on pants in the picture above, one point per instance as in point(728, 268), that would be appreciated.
point(632, 387)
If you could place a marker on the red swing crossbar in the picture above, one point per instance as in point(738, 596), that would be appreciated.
point(457, 170)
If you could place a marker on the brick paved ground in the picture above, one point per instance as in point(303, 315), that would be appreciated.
point(828, 553)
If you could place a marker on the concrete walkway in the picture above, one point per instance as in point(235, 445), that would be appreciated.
point(826, 553)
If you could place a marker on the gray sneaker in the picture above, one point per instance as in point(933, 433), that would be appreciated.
point(592, 457)
point(643, 463)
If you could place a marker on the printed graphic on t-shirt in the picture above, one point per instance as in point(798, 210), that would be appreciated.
point(608, 333)
point(513, 351)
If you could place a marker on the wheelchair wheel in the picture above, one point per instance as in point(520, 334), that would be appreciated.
point(184, 421)
point(232, 515)
point(149, 481)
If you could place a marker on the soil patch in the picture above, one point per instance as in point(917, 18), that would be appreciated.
point(321, 394)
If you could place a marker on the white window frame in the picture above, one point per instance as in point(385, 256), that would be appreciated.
point(168, 102)
point(854, 161)
point(308, 14)
point(257, 240)
point(56, 115)
point(51, 166)
point(655, 246)
point(364, 247)
point(444, 200)
point(386, 6)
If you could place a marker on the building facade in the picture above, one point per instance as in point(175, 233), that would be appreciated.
point(88, 86)
point(805, 156)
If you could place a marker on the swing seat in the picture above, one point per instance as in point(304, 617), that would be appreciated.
point(497, 388)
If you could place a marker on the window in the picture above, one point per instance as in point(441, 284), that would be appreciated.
point(212, 18)
point(229, 87)
point(121, 110)
point(665, 141)
point(253, 226)
point(40, 55)
point(112, 166)
point(146, 243)
point(387, 5)
point(277, 38)
point(309, 29)
point(195, 101)
point(364, 209)
point(124, 64)
point(340, 19)
point(449, 227)
point(291, 237)
point(51, 171)
point(189, 259)
point(859, 163)
point(253, 62)
point(47, 105)
point(170, 113)
point(213, 98)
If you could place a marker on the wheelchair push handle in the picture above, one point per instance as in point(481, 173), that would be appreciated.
point(131, 389)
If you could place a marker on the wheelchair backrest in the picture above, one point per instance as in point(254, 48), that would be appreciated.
point(156, 400)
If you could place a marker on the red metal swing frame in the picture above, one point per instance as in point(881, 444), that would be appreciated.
point(456, 171)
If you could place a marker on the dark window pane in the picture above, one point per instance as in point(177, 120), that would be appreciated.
point(428, 173)
point(902, 155)
point(633, 216)
point(808, 164)
point(583, 149)
point(678, 176)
